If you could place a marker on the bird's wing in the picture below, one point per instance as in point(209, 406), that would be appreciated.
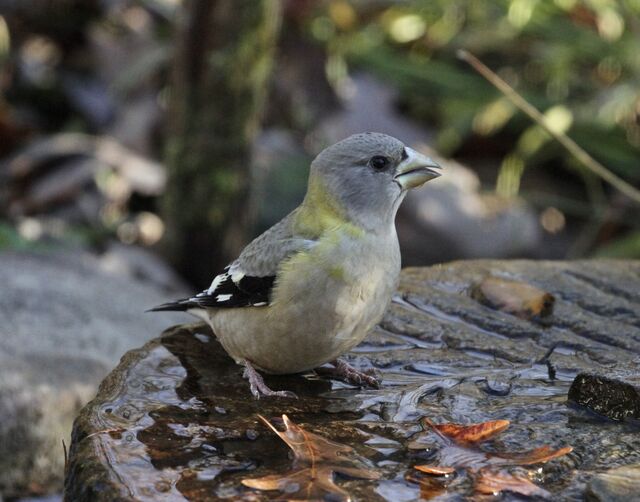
point(249, 280)
point(234, 288)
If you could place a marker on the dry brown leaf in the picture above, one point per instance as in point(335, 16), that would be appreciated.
point(491, 482)
point(316, 459)
point(538, 456)
point(435, 470)
point(514, 297)
point(462, 451)
point(430, 487)
point(472, 433)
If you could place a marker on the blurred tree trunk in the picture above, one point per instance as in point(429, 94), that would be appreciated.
point(223, 60)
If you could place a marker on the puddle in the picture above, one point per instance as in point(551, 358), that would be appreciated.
point(175, 421)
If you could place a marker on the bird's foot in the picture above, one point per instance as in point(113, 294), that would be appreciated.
point(258, 387)
point(349, 374)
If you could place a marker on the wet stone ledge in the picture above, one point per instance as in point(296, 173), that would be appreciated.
point(175, 420)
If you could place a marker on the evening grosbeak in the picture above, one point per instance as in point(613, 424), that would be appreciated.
point(312, 286)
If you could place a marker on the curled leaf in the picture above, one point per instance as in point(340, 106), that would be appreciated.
point(462, 450)
point(491, 482)
point(472, 433)
point(430, 487)
point(316, 459)
point(435, 470)
point(514, 297)
point(538, 456)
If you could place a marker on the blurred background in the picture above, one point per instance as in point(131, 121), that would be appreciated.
point(183, 129)
point(144, 142)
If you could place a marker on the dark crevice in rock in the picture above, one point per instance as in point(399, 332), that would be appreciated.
point(608, 286)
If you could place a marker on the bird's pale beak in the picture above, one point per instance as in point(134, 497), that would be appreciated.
point(415, 170)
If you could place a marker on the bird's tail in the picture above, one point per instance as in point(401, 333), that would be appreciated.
point(179, 305)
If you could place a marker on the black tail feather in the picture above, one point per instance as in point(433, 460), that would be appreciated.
point(179, 306)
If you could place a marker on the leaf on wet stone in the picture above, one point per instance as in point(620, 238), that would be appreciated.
point(473, 433)
point(461, 449)
point(430, 487)
point(514, 297)
point(316, 459)
point(490, 482)
point(537, 456)
point(436, 470)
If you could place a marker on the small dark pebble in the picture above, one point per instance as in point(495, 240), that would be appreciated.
point(615, 398)
point(497, 387)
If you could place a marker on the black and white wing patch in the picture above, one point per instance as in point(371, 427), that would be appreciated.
point(233, 288)
point(230, 289)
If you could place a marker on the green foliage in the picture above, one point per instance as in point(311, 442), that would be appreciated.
point(73, 236)
point(12, 240)
point(576, 61)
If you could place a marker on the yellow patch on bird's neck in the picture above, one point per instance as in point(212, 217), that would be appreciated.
point(321, 212)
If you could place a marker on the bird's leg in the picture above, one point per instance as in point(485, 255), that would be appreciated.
point(348, 373)
point(258, 387)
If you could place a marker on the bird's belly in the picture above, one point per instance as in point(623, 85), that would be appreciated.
point(302, 334)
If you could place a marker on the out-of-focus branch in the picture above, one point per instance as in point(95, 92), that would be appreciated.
point(576, 150)
point(222, 65)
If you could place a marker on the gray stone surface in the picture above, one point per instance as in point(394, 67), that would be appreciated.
point(621, 484)
point(176, 421)
point(63, 324)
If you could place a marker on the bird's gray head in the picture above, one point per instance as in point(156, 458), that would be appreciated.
point(367, 175)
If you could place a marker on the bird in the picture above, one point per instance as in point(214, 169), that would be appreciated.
point(311, 287)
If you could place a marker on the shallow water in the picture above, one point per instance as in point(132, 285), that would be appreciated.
point(175, 420)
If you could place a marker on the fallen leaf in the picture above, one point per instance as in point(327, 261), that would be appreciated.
point(435, 470)
point(491, 482)
point(538, 456)
point(470, 433)
point(514, 297)
point(316, 459)
point(461, 450)
point(430, 487)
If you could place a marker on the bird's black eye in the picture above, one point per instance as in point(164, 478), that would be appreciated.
point(379, 162)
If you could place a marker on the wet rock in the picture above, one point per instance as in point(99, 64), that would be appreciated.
point(64, 325)
point(621, 484)
point(615, 398)
point(156, 430)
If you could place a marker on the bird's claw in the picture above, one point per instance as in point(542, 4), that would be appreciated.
point(259, 388)
point(348, 373)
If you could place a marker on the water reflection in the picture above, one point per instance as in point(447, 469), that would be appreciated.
point(176, 421)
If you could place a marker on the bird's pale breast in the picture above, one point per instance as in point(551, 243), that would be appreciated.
point(325, 302)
